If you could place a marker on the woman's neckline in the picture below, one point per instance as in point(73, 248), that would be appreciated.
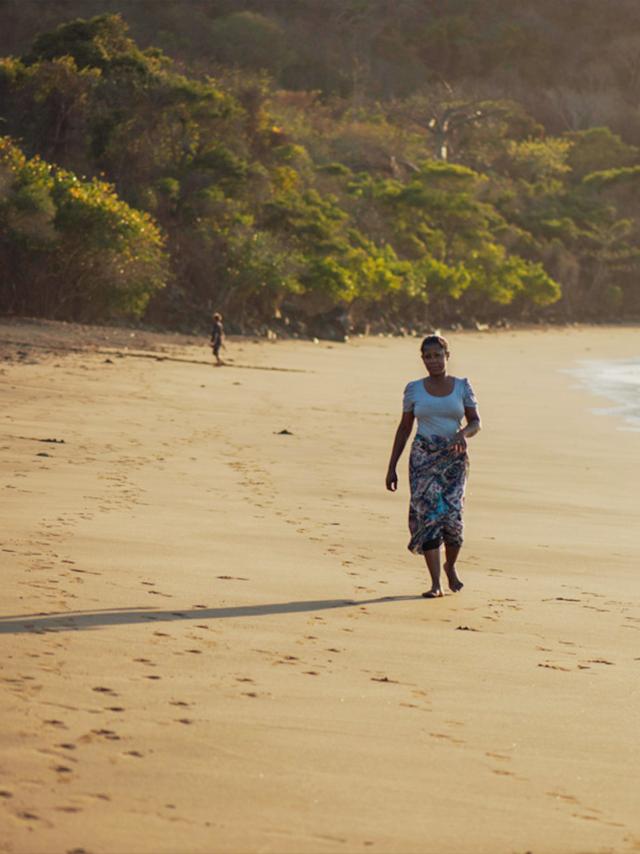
point(453, 388)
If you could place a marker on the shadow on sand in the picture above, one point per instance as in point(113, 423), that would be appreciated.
point(81, 620)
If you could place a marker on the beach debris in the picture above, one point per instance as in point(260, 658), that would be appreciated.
point(43, 454)
point(284, 432)
point(466, 629)
point(52, 441)
point(384, 679)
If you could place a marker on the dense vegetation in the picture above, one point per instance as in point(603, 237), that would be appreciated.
point(396, 162)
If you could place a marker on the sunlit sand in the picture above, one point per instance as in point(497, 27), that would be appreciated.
point(213, 635)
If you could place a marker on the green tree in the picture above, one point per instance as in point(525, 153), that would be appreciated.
point(71, 248)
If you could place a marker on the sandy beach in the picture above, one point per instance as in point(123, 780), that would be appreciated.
point(212, 632)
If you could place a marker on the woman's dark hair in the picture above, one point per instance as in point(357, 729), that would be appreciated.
point(435, 339)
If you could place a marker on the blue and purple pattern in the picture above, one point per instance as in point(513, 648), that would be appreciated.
point(437, 478)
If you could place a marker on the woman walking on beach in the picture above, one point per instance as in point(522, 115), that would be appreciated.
point(438, 462)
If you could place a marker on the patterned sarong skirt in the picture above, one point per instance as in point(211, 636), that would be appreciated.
point(437, 478)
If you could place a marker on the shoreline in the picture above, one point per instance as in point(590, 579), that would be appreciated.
point(214, 634)
point(147, 336)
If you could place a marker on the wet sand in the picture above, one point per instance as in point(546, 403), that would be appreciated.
point(212, 632)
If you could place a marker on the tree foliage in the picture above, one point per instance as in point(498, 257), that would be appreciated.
point(71, 248)
point(383, 180)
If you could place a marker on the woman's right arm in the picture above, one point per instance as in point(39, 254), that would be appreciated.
point(402, 434)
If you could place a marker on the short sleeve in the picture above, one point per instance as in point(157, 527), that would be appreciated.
point(468, 395)
point(407, 398)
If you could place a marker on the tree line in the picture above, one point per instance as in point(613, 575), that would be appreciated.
point(137, 185)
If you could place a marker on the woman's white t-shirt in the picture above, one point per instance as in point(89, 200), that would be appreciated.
point(438, 416)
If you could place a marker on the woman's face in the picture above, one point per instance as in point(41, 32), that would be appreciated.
point(435, 359)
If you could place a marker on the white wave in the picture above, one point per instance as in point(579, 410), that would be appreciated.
point(619, 381)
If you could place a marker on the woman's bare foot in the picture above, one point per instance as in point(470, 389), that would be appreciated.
point(452, 577)
point(434, 593)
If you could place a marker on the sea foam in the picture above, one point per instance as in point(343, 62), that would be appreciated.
point(618, 380)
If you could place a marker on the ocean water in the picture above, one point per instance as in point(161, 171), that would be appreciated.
point(618, 380)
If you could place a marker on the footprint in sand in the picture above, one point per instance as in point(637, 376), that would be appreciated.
point(109, 734)
point(563, 797)
point(446, 737)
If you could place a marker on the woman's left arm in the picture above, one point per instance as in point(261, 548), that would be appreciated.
point(473, 426)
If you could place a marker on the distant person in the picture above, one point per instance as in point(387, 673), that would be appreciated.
point(217, 337)
point(438, 462)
